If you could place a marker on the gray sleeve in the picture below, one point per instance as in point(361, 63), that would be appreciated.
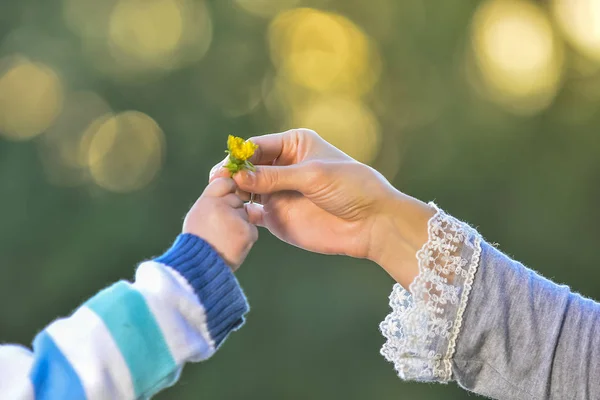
point(476, 316)
point(525, 337)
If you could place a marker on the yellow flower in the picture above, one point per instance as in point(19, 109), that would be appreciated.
point(239, 148)
point(240, 151)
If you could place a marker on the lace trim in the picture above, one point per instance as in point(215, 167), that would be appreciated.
point(422, 329)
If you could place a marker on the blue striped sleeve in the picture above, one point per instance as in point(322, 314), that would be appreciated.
point(213, 282)
point(136, 333)
point(132, 340)
point(52, 375)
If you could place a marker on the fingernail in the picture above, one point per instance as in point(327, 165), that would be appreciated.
point(215, 169)
point(248, 177)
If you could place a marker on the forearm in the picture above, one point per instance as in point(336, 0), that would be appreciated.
point(132, 339)
point(499, 329)
point(526, 337)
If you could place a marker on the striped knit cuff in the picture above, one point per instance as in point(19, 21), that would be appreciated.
point(215, 285)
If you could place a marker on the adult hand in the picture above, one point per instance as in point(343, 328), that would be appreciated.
point(318, 198)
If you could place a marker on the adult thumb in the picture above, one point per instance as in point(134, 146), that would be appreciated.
point(271, 179)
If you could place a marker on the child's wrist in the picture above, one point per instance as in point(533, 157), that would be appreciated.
point(211, 280)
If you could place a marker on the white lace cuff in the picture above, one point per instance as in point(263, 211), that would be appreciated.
point(422, 329)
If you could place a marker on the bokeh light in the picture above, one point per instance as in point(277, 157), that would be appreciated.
point(279, 95)
point(517, 53)
point(147, 30)
point(235, 88)
point(324, 52)
point(488, 107)
point(345, 123)
point(324, 66)
point(124, 151)
point(31, 96)
point(266, 8)
point(242, 101)
point(579, 20)
point(88, 18)
point(61, 148)
point(135, 40)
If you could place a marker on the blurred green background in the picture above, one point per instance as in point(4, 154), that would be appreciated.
point(113, 112)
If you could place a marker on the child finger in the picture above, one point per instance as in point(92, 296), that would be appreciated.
point(253, 233)
point(220, 187)
point(243, 214)
point(233, 200)
point(219, 173)
point(217, 170)
point(245, 196)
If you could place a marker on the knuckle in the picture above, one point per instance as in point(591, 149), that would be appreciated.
point(270, 179)
point(241, 242)
point(316, 170)
point(305, 132)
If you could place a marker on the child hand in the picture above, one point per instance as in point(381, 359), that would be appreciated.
point(219, 217)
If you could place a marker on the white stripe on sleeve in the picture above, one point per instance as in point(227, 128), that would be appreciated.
point(15, 364)
point(88, 345)
point(177, 311)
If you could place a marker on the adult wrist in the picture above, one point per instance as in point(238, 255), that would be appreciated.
point(399, 231)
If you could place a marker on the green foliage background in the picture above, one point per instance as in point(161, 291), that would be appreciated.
point(528, 183)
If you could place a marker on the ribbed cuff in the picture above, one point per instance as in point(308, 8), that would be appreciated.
point(215, 285)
